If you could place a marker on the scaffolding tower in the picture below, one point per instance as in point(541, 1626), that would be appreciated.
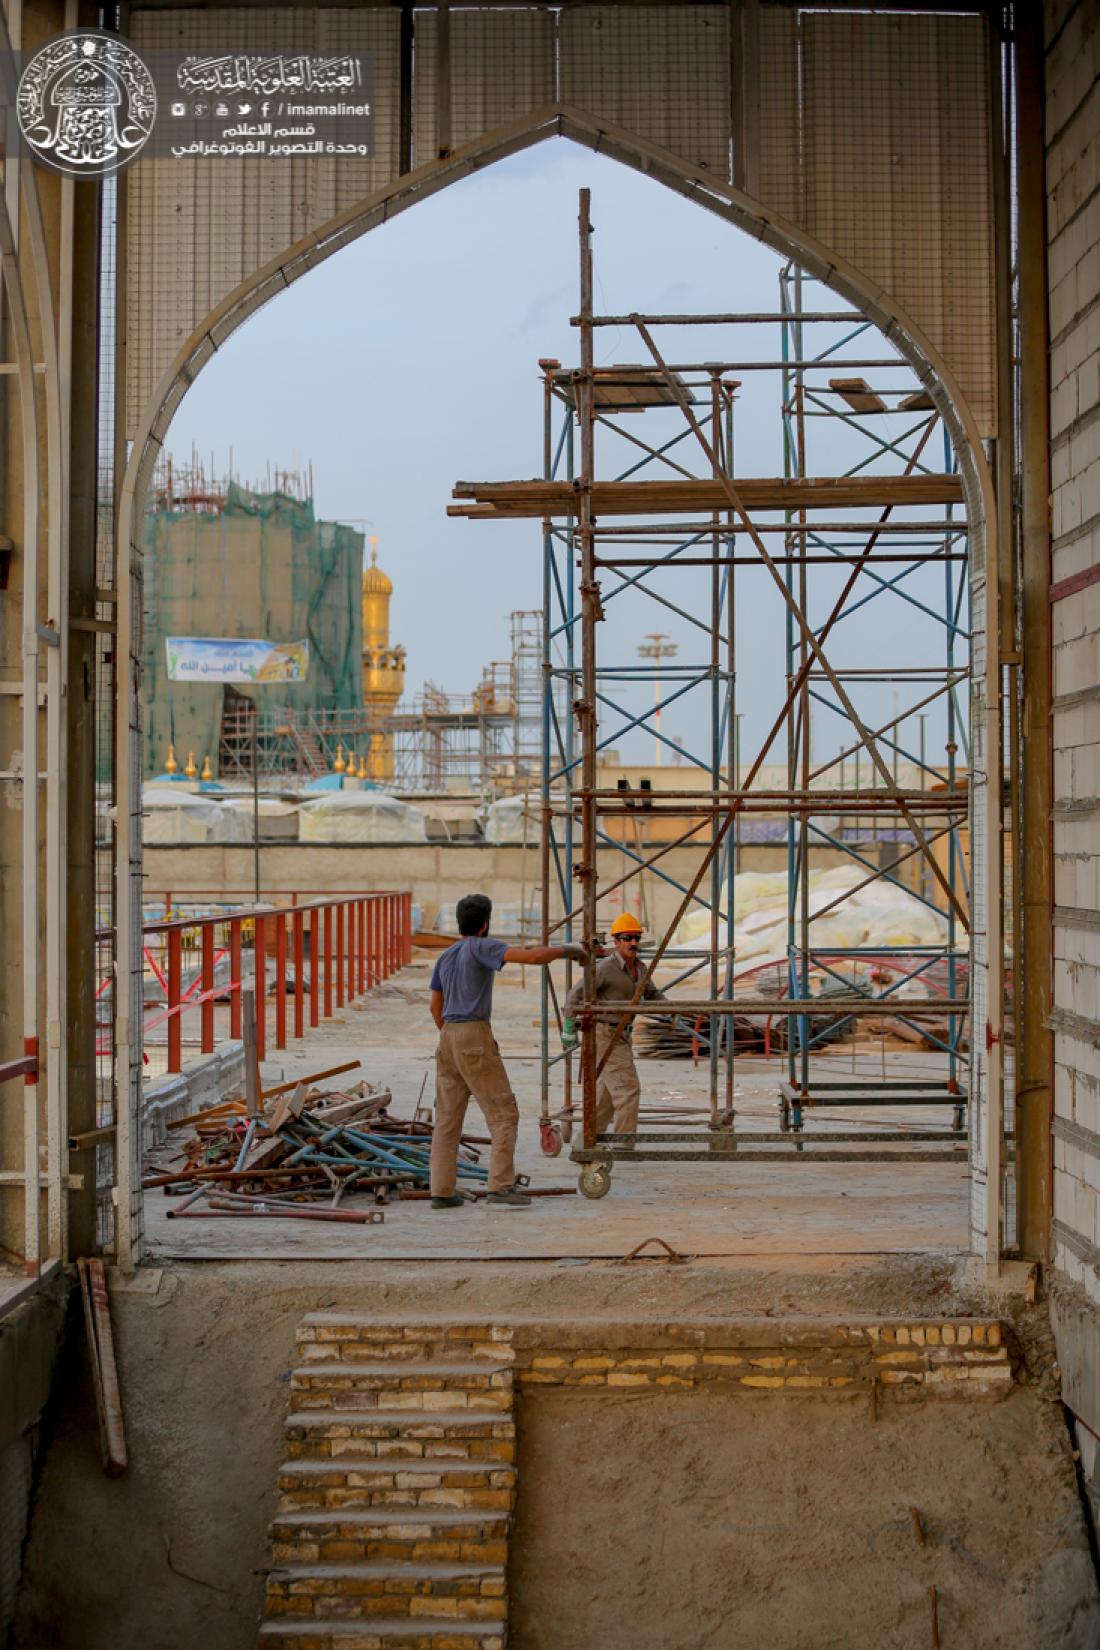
point(680, 525)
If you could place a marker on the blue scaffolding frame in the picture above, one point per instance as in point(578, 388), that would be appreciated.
point(603, 539)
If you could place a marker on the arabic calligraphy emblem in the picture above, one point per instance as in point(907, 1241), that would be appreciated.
point(86, 104)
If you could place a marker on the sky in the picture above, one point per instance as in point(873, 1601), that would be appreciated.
point(408, 362)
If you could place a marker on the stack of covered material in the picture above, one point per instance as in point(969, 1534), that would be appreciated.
point(876, 914)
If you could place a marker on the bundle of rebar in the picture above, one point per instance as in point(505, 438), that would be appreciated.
point(300, 1157)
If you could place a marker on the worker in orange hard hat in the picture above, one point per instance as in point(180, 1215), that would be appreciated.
point(617, 978)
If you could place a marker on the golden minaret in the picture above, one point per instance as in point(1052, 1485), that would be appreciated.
point(383, 667)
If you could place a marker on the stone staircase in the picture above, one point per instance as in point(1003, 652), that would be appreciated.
point(396, 1494)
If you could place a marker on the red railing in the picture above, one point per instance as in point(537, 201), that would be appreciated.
point(345, 946)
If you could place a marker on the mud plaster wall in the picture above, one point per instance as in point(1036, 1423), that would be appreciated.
point(657, 1521)
point(30, 1335)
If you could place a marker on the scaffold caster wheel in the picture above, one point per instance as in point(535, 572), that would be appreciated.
point(549, 1140)
point(565, 1129)
point(595, 1180)
point(784, 1117)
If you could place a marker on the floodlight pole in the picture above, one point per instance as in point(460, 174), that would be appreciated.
point(657, 646)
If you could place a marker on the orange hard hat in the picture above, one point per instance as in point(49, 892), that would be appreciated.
point(626, 924)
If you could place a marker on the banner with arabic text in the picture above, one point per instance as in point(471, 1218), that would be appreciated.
point(235, 659)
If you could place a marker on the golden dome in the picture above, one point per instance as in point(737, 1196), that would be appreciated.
point(375, 582)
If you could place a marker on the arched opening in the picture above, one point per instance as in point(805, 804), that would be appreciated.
point(932, 376)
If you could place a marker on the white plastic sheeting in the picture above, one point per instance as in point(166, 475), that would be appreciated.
point(172, 815)
point(881, 914)
point(278, 819)
point(360, 816)
point(512, 820)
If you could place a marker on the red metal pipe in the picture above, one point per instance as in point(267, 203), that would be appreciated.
point(25, 1067)
point(328, 961)
point(280, 982)
point(235, 977)
point(260, 982)
point(175, 982)
point(314, 967)
point(298, 923)
point(340, 955)
point(207, 942)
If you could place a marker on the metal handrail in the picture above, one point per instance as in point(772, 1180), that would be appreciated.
point(355, 941)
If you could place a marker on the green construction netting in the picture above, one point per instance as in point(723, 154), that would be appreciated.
point(262, 566)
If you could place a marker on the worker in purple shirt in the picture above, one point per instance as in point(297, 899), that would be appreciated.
point(468, 1062)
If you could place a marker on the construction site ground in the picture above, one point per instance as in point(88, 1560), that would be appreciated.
point(645, 1520)
point(721, 1209)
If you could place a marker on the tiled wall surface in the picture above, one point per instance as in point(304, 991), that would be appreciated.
point(1072, 89)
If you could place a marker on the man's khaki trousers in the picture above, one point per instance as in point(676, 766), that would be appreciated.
point(468, 1065)
point(619, 1090)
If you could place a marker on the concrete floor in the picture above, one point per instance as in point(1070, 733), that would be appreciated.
point(700, 1209)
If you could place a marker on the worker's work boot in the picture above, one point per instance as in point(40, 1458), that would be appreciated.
point(455, 1201)
point(510, 1198)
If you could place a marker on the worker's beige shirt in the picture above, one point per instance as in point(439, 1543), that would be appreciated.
point(614, 984)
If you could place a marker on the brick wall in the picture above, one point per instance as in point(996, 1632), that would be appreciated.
point(969, 1357)
point(1072, 116)
point(945, 1357)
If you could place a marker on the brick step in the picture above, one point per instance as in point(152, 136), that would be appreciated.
point(468, 1592)
point(479, 1484)
point(410, 1632)
point(410, 1534)
point(327, 1443)
point(359, 1336)
point(401, 1423)
point(409, 1374)
point(330, 1433)
point(460, 1468)
point(400, 1397)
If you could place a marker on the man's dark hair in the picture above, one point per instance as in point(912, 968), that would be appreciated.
point(473, 912)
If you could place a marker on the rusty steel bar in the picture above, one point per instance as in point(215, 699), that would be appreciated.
point(97, 1321)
